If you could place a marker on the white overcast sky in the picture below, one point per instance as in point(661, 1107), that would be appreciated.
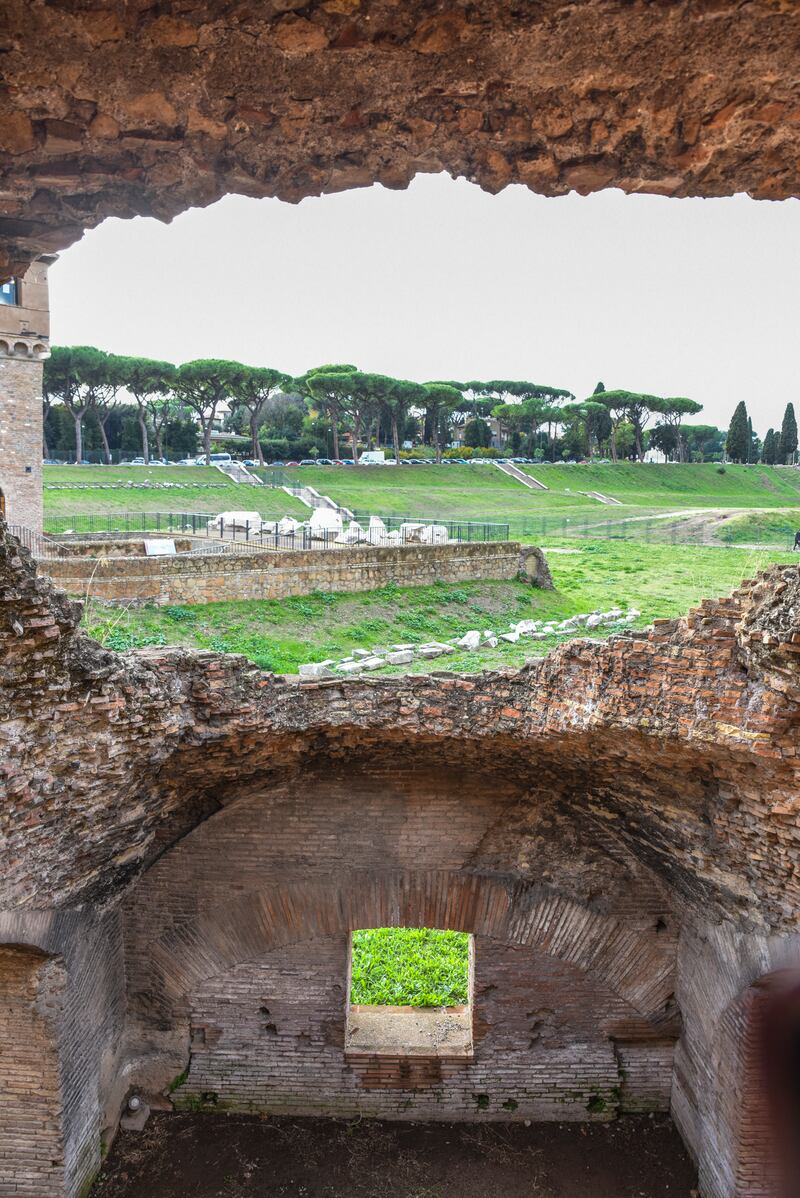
point(674, 297)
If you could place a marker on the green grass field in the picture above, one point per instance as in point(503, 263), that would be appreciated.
point(414, 967)
point(477, 492)
point(79, 491)
point(279, 635)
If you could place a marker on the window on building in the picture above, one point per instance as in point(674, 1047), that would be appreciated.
point(8, 292)
point(410, 993)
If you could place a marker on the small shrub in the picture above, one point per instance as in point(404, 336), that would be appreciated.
point(721, 470)
point(179, 614)
point(219, 645)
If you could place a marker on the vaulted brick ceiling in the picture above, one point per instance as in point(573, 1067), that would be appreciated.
point(150, 106)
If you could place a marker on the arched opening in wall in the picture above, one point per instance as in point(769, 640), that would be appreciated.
point(410, 1002)
point(31, 1106)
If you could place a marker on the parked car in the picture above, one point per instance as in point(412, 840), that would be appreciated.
point(324, 462)
point(136, 462)
point(250, 462)
point(214, 460)
point(348, 462)
point(307, 462)
point(292, 463)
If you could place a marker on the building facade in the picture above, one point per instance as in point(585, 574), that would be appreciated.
point(24, 344)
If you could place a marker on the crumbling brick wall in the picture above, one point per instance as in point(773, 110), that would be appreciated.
point(31, 1133)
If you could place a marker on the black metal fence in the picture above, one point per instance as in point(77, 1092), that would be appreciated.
point(457, 530)
point(267, 534)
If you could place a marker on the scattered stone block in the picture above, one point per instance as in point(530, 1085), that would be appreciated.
point(470, 640)
point(401, 658)
point(317, 669)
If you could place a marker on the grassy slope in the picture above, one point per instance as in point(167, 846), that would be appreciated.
point(199, 489)
point(415, 967)
point(281, 634)
point(459, 492)
point(482, 492)
point(675, 486)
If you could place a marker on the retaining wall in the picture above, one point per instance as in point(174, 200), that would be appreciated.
point(209, 578)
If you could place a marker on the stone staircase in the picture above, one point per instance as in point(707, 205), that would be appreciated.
point(238, 473)
point(598, 495)
point(519, 476)
point(312, 498)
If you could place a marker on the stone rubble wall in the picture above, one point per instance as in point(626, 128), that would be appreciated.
point(278, 574)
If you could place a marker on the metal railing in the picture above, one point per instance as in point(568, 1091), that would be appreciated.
point(265, 534)
point(457, 530)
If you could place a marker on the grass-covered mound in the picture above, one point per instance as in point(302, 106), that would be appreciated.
point(410, 967)
point(761, 528)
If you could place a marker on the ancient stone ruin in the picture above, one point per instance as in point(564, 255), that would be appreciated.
point(189, 841)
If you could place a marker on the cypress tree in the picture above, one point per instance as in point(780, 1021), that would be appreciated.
point(788, 442)
point(738, 442)
point(770, 448)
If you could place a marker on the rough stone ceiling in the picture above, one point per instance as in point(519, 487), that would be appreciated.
point(150, 106)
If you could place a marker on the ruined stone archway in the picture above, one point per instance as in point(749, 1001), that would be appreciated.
point(113, 109)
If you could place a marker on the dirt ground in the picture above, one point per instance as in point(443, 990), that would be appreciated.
point(239, 1156)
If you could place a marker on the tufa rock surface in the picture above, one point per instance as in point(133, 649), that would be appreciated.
point(124, 109)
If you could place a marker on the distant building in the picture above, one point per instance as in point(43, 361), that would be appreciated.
point(24, 344)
